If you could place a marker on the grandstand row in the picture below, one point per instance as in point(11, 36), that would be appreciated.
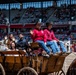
point(31, 12)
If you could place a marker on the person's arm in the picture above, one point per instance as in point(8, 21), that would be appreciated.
point(33, 34)
point(45, 36)
point(53, 37)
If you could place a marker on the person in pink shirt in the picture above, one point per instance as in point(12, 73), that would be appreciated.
point(50, 36)
point(39, 36)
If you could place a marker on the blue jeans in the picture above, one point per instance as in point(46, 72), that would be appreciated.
point(42, 44)
point(56, 46)
point(52, 46)
point(61, 45)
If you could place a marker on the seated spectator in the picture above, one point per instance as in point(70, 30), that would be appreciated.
point(5, 40)
point(10, 39)
point(51, 37)
point(3, 47)
point(13, 46)
point(39, 37)
point(21, 43)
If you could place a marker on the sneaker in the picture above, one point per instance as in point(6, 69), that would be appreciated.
point(56, 54)
point(45, 55)
point(50, 53)
point(60, 53)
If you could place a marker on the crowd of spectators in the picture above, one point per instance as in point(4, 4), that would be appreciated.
point(2, 18)
point(16, 18)
point(32, 14)
point(65, 13)
point(28, 15)
point(11, 42)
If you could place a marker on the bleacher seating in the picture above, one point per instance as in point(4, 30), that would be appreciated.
point(32, 14)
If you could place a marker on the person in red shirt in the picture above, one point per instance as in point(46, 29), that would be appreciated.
point(50, 36)
point(39, 36)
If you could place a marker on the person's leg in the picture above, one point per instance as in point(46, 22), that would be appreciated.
point(42, 44)
point(52, 46)
point(56, 46)
point(62, 46)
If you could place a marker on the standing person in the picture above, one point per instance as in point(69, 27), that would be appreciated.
point(39, 37)
point(51, 37)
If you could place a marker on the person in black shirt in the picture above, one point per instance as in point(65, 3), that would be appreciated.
point(22, 42)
